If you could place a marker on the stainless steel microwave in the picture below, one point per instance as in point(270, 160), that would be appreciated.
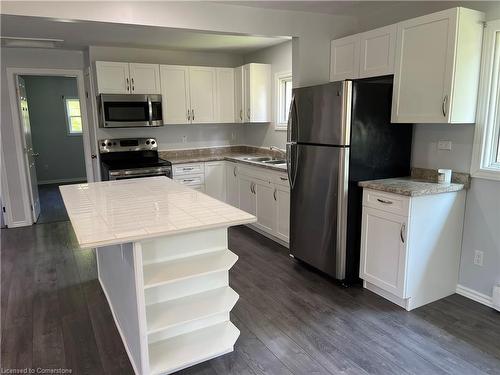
point(130, 111)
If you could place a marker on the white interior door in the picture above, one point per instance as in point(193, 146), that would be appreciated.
point(28, 148)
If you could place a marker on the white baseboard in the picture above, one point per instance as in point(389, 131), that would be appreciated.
point(475, 296)
point(62, 180)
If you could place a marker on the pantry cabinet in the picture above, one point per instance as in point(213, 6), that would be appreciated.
point(436, 76)
point(127, 78)
point(253, 93)
point(410, 246)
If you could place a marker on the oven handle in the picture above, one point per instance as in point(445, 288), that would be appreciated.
point(150, 110)
point(151, 172)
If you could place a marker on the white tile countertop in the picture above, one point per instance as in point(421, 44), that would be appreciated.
point(115, 212)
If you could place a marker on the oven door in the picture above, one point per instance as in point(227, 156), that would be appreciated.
point(124, 174)
point(130, 110)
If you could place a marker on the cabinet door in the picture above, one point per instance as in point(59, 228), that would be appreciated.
point(112, 77)
point(144, 78)
point(238, 94)
point(344, 58)
point(282, 196)
point(265, 206)
point(225, 95)
point(377, 52)
point(175, 94)
point(246, 189)
point(246, 93)
point(384, 250)
point(232, 196)
point(424, 68)
point(258, 93)
point(202, 94)
point(215, 180)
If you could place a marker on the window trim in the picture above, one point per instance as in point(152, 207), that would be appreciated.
point(279, 99)
point(486, 136)
point(67, 116)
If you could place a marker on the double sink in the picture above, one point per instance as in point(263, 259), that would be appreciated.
point(267, 160)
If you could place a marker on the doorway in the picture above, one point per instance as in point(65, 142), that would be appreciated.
point(51, 109)
point(53, 143)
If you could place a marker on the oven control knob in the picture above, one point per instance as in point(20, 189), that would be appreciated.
point(103, 144)
point(109, 143)
point(147, 142)
point(153, 142)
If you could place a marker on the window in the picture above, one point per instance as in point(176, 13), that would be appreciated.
point(486, 152)
point(73, 116)
point(283, 99)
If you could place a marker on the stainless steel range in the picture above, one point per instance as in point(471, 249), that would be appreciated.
point(131, 158)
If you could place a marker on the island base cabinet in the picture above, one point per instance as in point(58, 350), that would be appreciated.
point(170, 298)
point(410, 246)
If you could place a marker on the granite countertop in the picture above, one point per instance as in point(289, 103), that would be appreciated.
point(230, 153)
point(410, 186)
point(116, 212)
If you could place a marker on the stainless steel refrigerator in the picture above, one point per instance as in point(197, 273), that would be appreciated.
point(338, 134)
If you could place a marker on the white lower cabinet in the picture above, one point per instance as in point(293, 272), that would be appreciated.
point(215, 179)
point(232, 193)
point(410, 246)
point(265, 205)
point(282, 194)
point(248, 201)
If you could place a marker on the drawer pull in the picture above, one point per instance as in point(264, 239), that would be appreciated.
point(187, 169)
point(188, 180)
point(401, 232)
point(384, 201)
point(283, 179)
point(274, 194)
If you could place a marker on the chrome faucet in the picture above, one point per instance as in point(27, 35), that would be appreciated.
point(277, 149)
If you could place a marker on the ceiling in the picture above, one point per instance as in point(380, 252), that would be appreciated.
point(79, 35)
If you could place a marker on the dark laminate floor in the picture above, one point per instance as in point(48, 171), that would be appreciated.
point(51, 204)
point(292, 320)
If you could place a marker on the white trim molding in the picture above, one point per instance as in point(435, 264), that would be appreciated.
point(279, 125)
point(486, 137)
point(475, 296)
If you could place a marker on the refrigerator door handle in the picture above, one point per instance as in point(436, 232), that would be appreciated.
point(292, 121)
point(291, 148)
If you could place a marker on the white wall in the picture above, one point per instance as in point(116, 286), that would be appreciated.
point(25, 58)
point(280, 57)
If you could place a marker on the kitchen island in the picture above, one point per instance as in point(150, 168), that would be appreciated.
point(163, 263)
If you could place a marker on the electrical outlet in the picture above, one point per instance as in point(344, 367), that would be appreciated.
point(478, 257)
point(184, 139)
point(444, 145)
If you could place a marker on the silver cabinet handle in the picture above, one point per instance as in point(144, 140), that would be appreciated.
point(274, 194)
point(132, 81)
point(248, 113)
point(187, 168)
point(283, 179)
point(241, 115)
point(384, 201)
point(128, 85)
point(192, 114)
point(444, 105)
point(401, 232)
point(252, 187)
point(234, 171)
point(188, 180)
point(189, 115)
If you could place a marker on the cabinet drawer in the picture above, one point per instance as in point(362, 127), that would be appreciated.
point(397, 204)
point(281, 179)
point(191, 180)
point(191, 168)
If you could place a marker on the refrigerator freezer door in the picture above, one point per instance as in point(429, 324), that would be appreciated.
point(321, 114)
point(317, 221)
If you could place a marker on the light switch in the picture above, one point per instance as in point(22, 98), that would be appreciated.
point(444, 145)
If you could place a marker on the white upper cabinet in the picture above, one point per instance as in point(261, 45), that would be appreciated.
point(225, 95)
point(112, 77)
point(175, 94)
point(377, 48)
point(144, 78)
point(125, 78)
point(253, 81)
point(238, 93)
point(344, 59)
point(437, 67)
point(202, 91)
